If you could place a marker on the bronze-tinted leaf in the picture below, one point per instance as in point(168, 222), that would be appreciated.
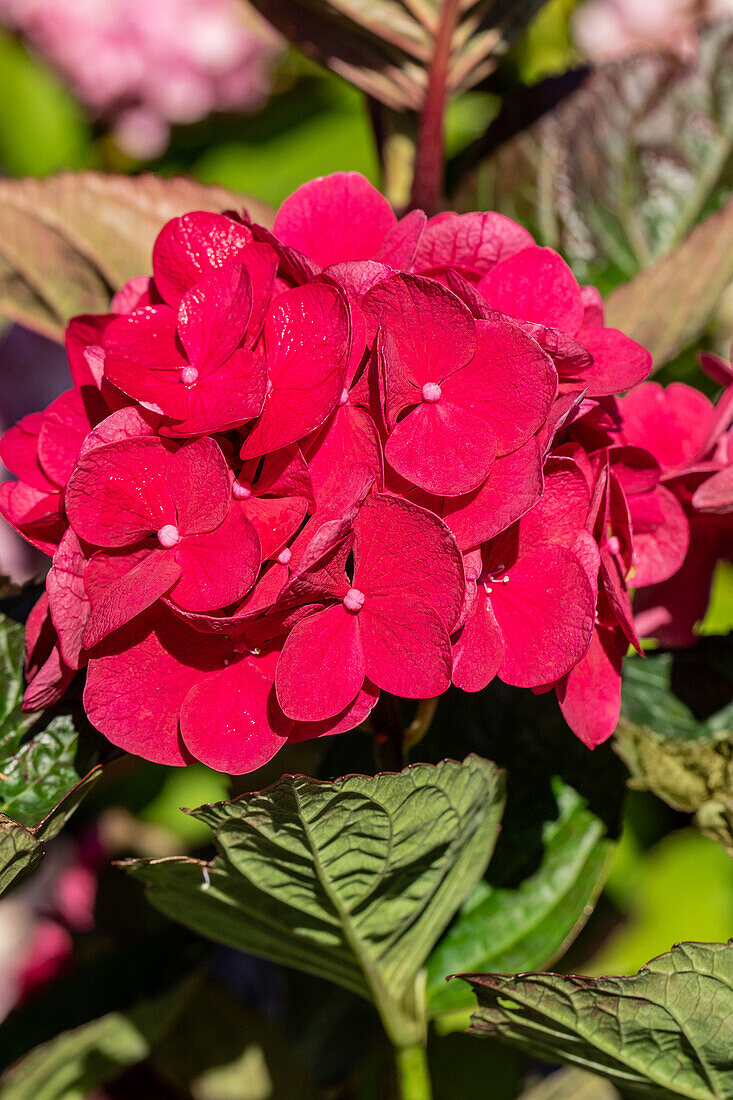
point(385, 46)
point(69, 241)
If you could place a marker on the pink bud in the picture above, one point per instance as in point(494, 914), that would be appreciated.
point(169, 536)
point(285, 555)
point(241, 490)
point(431, 392)
point(354, 600)
point(189, 375)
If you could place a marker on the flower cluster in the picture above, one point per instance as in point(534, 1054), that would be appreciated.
point(144, 66)
point(354, 454)
point(606, 30)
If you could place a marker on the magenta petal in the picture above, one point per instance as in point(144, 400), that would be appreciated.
point(131, 594)
point(510, 383)
point(401, 241)
point(618, 361)
point(82, 332)
point(134, 694)
point(405, 551)
point(590, 695)
point(472, 243)
point(511, 489)
point(275, 519)
point(261, 263)
point(417, 313)
point(545, 612)
point(715, 496)
point(199, 481)
point(562, 512)
point(535, 285)
point(67, 599)
point(213, 316)
point(219, 567)
point(307, 343)
point(231, 720)
point(670, 611)
point(443, 447)
point(334, 218)
point(223, 398)
point(321, 667)
point(33, 513)
point(347, 719)
point(661, 536)
point(406, 647)
point(478, 650)
point(672, 423)
point(66, 423)
point(191, 247)
point(127, 423)
point(19, 453)
point(348, 438)
point(636, 469)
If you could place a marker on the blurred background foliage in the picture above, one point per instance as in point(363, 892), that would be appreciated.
point(667, 881)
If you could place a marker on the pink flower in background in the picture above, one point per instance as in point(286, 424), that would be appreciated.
point(606, 30)
point(145, 66)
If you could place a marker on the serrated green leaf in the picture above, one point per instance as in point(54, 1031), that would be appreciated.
point(664, 1033)
point(353, 880)
point(69, 241)
point(19, 852)
point(513, 929)
point(70, 1066)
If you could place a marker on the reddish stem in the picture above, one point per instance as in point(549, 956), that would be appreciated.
point(428, 181)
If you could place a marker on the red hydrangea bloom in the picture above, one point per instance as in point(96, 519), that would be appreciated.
point(353, 454)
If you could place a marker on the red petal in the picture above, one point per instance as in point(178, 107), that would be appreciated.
point(590, 695)
point(19, 453)
point(82, 332)
point(661, 536)
point(191, 247)
point(135, 693)
point(213, 316)
point(405, 551)
point(338, 217)
point(130, 595)
point(472, 243)
point(219, 567)
point(231, 720)
point(224, 398)
point(545, 612)
point(406, 647)
point(275, 519)
point(618, 361)
point(66, 423)
point(535, 285)
point(307, 343)
point(67, 598)
point(478, 650)
point(348, 719)
point(716, 495)
point(445, 448)
point(418, 314)
point(672, 423)
point(401, 241)
point(511, 489)
point(510, 382)
point(321, 667)
point(348, 438)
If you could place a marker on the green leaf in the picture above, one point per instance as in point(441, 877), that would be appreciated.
point(664, 1033)
point(676, 731)
point(20, 852)
point(42, 127)
point(46, 765)
point(220, 1050)
point(571, 1084)
point(69, 241)
point(70, 1066)
point(523, 927)
point(352, 880)
point(385, 47)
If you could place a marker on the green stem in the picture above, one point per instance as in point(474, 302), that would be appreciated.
point(413, 1075)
